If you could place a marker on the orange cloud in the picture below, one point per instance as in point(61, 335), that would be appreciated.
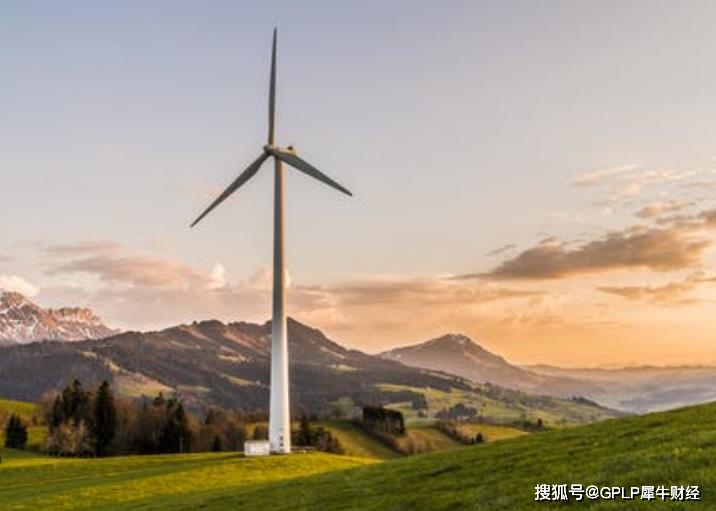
point(655, 249)
point(673, 293)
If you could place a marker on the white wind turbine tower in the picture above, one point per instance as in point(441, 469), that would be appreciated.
point(279, 412)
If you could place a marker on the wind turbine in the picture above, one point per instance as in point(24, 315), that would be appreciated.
point(279, 412)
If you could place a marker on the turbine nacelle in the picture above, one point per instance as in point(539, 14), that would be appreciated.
point(268, 148)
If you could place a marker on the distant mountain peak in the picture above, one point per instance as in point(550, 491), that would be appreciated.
point(12, 299)
point(456, 353)
point(22, 321)
point(451, 342)
point(452, 338)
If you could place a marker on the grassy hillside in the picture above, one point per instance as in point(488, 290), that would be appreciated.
point(426, 438)
point(677, 447)
point(421, 436)
point(8, 406)
point(504, 405)
point(671, 448)
point(490, 432)
point(356, 442)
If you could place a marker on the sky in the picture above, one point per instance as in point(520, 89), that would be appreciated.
point(537, 175)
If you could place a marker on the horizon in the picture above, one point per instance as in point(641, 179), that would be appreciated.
point(564, 219)
point(614, 367)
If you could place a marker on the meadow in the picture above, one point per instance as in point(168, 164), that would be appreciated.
point(669, 448)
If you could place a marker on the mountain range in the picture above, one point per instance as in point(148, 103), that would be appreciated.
point(22, 321)
point(631, 389)
point(213, 363)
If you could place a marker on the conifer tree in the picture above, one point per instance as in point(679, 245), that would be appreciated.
point(105, 419)
point(15, 433)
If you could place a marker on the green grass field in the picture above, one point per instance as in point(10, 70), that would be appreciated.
point(146, 482)
point(426, 438)
point(677, 447)
point(356, 442)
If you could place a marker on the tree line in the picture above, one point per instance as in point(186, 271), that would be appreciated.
point(94, 422)
point(463, 435)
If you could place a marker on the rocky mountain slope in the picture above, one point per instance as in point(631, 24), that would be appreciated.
point(22, 321)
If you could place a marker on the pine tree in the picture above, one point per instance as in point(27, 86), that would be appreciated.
point(15, 433)
point(176, 435)
point(75, 404)
point(105, 418)
point(56, 416)
point(183, 432)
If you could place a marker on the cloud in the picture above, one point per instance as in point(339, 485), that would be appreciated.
point(708, 218)
point(500, 250)
point(18, 284)
point(85, 248)
point(425, 292)
point(673, 293)
point(705, 220)
point(598, 176)
point(217, 277)
point(630, 180)
point(700, 184)
point(655, 249)
point(137, 271)
point(359, 305)
point(114, 264)
point(658, 209)
point(632, 185)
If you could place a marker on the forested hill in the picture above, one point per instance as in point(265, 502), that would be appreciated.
point(228, 365)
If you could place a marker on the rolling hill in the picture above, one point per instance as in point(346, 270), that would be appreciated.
point(668, 448)
point(228, 365)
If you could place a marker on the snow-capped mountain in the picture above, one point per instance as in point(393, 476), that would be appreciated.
point(22, 321)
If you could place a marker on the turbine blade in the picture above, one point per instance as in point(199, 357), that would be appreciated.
point(305, 167)
point(272, 91)
point(238, 182)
